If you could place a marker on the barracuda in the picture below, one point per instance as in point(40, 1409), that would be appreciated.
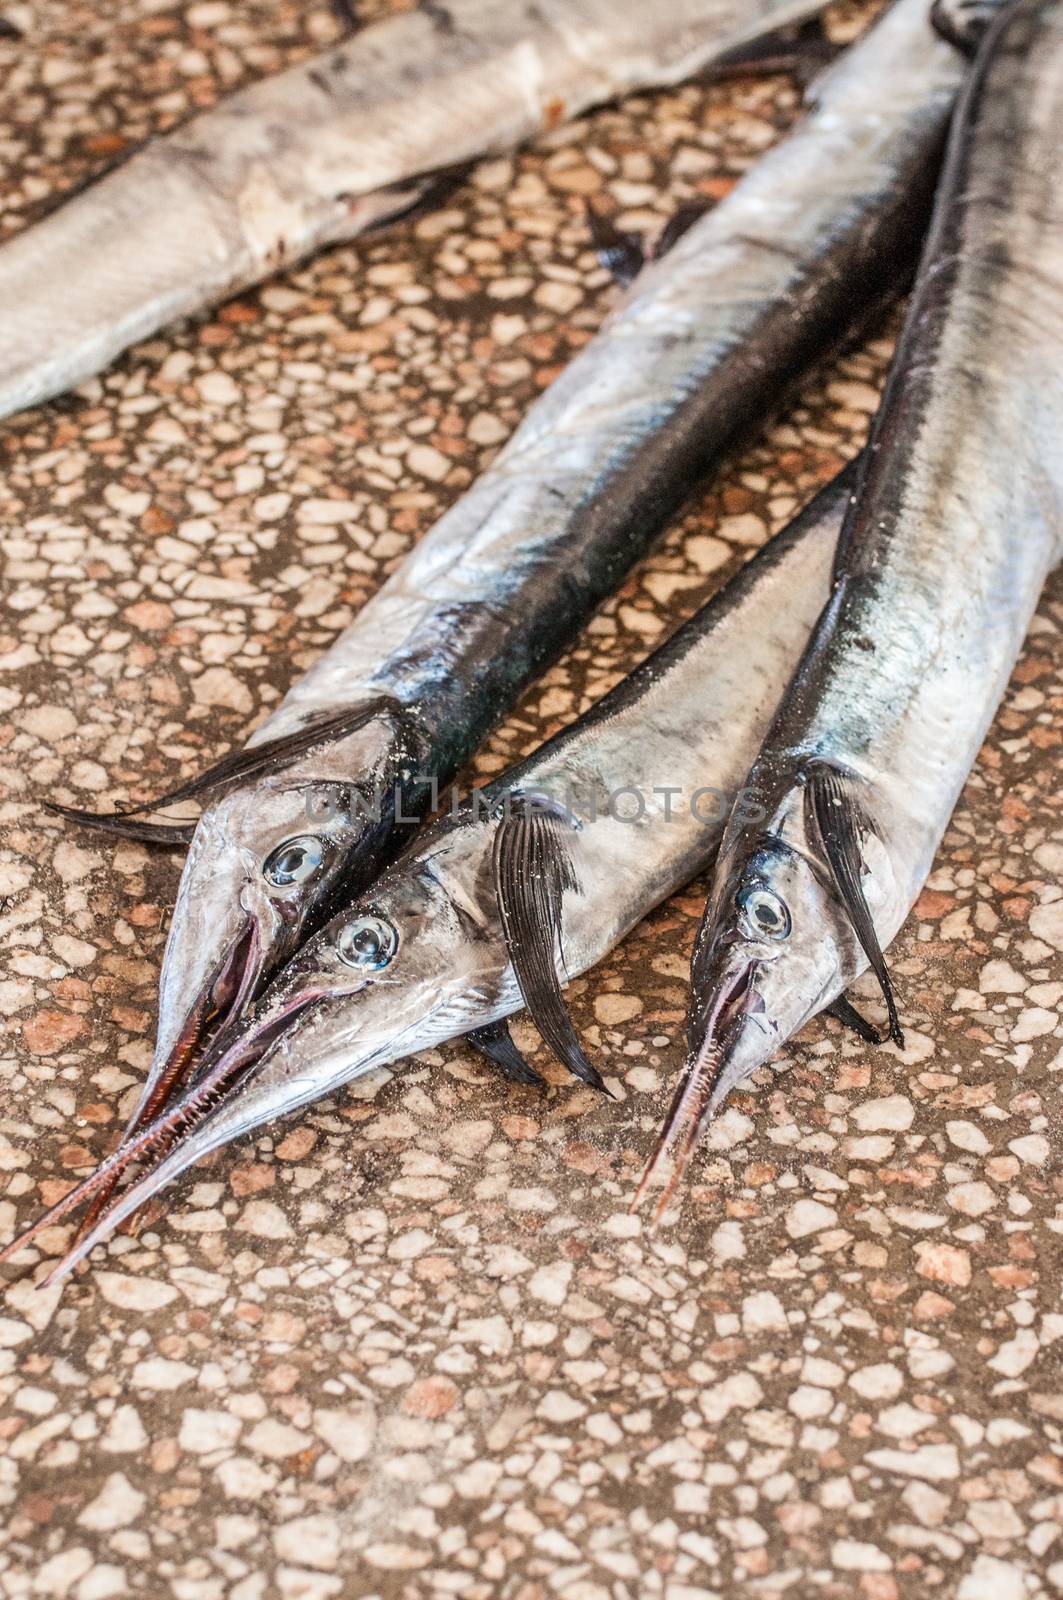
point(325, 152)
point(956, 523)
point(531, 882)
point(708, 343)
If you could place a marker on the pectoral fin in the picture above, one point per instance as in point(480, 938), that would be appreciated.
point(839, 823)
point(250, 761)
point(533, 870)
point(125, 826)
point(621, 254)
point(680, 222)
point(496, 1043)
point(849, 1017)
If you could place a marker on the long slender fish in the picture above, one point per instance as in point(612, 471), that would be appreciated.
point(707, 344)
point(532, 881)
point(322, 153)
point(957, 522)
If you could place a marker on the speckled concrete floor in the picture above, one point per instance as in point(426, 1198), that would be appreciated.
point(414, 1344)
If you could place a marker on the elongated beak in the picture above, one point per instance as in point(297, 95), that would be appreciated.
point(172, 1141)
point(211, 1023)
point(705, 1082)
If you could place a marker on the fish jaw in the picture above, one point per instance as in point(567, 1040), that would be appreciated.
point(244, 906)
point(773, 950)
point(400, 971)
point(715, 1063)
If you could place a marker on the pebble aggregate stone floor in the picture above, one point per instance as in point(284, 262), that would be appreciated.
point(411, 1343)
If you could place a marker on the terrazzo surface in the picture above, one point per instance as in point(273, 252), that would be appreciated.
point(412, 1343)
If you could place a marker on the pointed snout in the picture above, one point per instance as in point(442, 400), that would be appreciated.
point(718, 1043)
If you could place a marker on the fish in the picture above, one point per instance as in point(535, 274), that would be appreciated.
point(955, 523)
point(529, 881)
point(708, 343)
point(322, 153)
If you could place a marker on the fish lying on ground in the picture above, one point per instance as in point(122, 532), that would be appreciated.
point(323, 152)
point(533, 880)
point(957, 521)
point(708, 343)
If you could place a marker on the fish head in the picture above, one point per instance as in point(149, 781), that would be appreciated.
point(417, 959)
point(412, 962)
point(769, 953)
point(269, 862)
point(774, 946)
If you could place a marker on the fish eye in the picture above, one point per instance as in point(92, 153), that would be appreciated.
point(764, 912)
point(367, 942)
point(293, 861)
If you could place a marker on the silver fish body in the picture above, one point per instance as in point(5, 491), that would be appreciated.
point(955, 525)
point(704, 347)
point(322, 153)
point(674, 739)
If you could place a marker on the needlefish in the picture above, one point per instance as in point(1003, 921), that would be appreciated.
point(957, 520)
point(324, 152)
point(529, 882)
point(709, 340)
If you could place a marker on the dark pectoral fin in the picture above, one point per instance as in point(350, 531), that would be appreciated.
point(621, 254)
point(533, 869)
point(423, 194)
point(125, 827)
point(849, 1017)
point(272, 755)
point(8, 30)
point(800, 52)
point(839, 824)
point(496, 1043)
point(680, 222)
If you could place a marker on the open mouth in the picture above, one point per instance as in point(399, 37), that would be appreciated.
point(233, 986)
point(693, 1098)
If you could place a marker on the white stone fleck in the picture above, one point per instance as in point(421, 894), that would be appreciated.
point(550, 1283)
point(763, 1313)
point(1015, 1355)
point(1033, 1148)
point(265, 1220)
point(204, 1431)
point(117, 1505)
point(968, 1136)
point(312, 1540)
point(854, 1555)
point(134, 1293)
point(892, 1113)
point(809, 1216)
point(990, 1579)
point(348, 1432)
point(933, 1463)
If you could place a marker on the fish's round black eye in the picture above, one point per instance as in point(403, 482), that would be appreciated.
point(293, 861)
point(367, 942)
point(764, 912)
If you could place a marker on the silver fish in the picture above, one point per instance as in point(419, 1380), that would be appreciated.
point(323, 152)
point(531, 882)
point(957, 521)
point(709, 341)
